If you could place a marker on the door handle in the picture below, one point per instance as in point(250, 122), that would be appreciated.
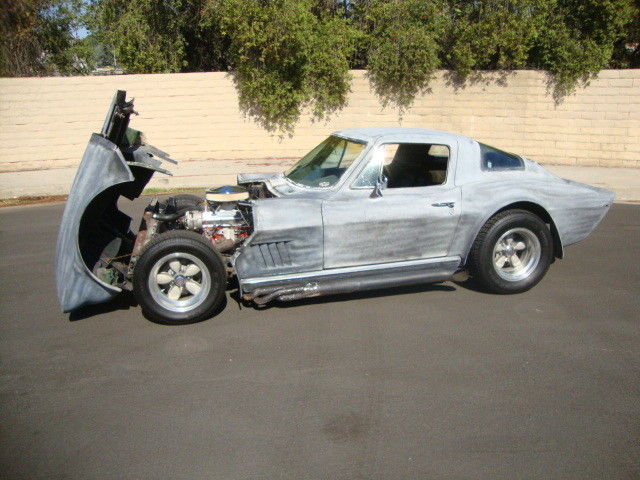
point(444, 204)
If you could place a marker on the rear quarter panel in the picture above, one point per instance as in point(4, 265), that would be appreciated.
point(575, 209)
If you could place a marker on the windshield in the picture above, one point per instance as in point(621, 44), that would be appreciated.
point(324, 165)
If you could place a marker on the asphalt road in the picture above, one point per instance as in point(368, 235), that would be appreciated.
point(437, 382)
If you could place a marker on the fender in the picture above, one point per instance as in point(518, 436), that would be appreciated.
point(116, 162)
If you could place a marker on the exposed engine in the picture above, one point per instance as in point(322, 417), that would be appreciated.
point(225, 218)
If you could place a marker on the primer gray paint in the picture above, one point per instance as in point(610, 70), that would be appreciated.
point(311, 241)
point(405, 223)
point(102, 177)
point(102, 166)
point(287, 238)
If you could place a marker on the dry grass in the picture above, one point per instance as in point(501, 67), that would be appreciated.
point(31, 200)
point(42, 199)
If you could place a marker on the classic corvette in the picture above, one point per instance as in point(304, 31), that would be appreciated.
point(367, 208)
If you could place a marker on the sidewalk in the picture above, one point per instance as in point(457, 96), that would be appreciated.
point(625, 182)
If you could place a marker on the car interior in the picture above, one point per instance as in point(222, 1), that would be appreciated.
point(415, 165)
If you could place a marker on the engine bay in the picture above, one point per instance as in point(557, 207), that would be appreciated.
point(223, 217)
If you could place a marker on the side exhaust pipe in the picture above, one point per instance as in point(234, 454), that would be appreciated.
point(351, 280)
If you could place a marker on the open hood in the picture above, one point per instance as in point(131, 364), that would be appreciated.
point(116, 162)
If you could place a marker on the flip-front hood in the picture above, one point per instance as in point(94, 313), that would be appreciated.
point(116, 162)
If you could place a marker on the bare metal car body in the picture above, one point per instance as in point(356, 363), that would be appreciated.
point(312, 240)
point(116, 162)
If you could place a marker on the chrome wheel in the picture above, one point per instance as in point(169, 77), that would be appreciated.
point(516, 254)
point(179, 282)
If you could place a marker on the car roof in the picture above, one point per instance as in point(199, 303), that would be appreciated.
point(370, 134)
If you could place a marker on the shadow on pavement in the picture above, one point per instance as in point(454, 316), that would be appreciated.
point(124, 301)
point(470, 284)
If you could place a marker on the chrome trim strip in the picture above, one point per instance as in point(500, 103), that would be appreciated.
point(257, 281)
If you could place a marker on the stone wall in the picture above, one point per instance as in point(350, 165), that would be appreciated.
point(46, 122)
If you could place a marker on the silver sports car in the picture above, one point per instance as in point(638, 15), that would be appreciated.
point(368, 208)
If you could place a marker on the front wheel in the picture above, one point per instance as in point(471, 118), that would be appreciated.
point(179, 278)
point(512, 252)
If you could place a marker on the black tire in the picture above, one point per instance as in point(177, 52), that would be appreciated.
point(153, 265)
point(512, 232)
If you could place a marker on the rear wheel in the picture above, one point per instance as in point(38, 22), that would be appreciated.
point(179, 278)
point(512, 252)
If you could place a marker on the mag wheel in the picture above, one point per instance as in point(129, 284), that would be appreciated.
point(512, 252)
point(516, 254)
point(179, 278)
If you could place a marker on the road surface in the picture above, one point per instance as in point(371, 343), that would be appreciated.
point(439, 382)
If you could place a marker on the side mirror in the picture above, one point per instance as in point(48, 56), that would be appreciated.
point(381, 184)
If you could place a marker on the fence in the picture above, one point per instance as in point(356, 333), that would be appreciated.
point(45, 122)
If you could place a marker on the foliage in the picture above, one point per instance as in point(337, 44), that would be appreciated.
point(410, 39)
point(285, 57)
point(571, 39)
point(626, 52)
point(158, 36)
point(404, 47)
point(578, 38)
point(36, 38)
point(99, 54)
point(145, 34)
point(491, 35)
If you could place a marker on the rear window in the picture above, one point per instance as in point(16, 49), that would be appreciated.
point(495, 159)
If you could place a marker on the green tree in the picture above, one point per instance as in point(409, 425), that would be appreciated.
point(404, 48)
point(578, 38)
point(285, 55)
point(491, 35)
point(159, 36)
point(626, 52)
point(407, 40)
point(145, 34)
point(288, 56)
point(37, 38)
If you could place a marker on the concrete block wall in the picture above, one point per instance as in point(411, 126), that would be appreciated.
point(46, 122)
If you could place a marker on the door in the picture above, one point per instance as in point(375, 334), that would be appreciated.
point(415, 218)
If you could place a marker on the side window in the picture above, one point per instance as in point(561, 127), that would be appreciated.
point(407, 165)
point(495, 159)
